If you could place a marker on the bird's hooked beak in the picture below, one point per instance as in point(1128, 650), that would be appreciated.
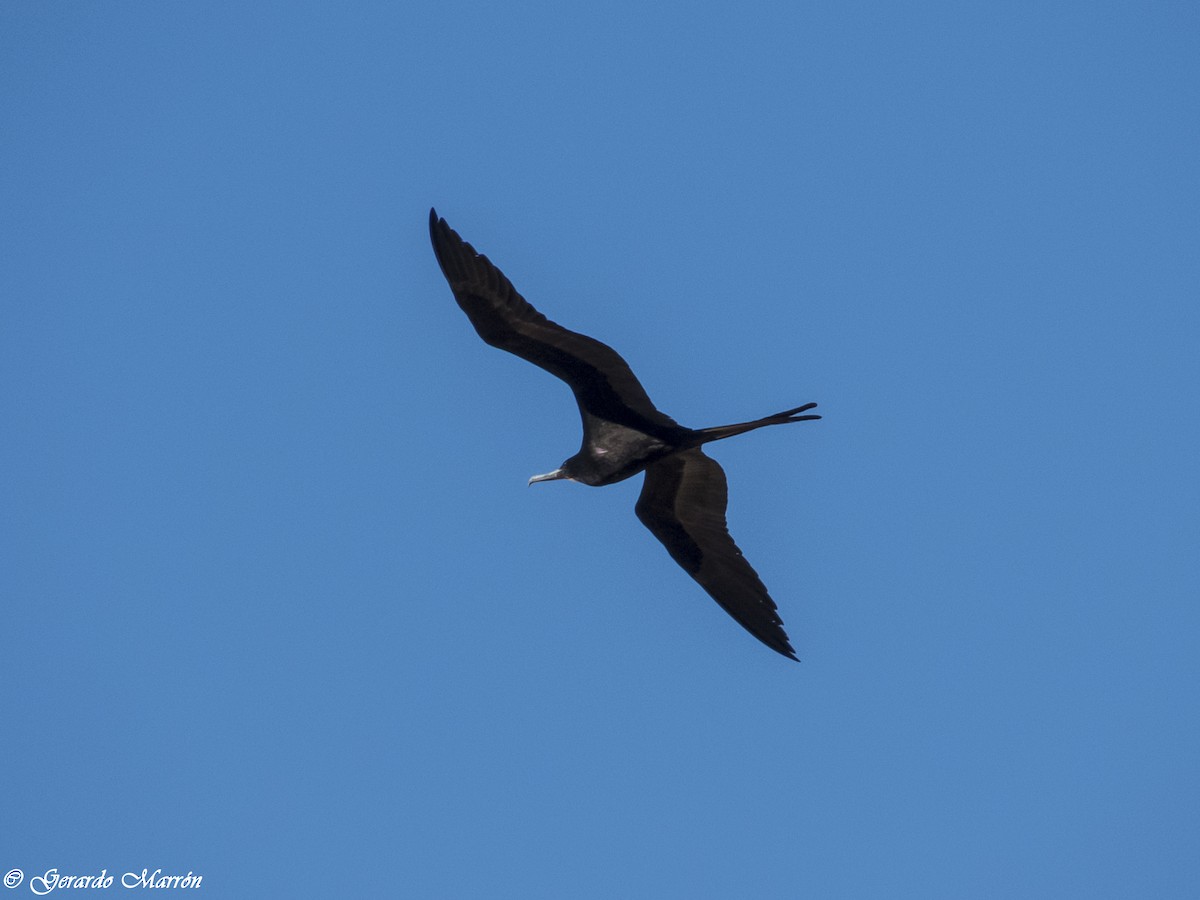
point(549, 476)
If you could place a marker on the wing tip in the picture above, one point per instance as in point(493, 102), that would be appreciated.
point(783, 647)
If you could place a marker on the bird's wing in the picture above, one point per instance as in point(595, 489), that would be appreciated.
point(683, 503)
point(602, 381)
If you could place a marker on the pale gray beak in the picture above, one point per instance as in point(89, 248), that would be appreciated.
point(549, 476)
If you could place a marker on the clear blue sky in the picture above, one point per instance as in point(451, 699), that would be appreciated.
point(278, 606)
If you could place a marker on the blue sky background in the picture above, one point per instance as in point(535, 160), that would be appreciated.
point(279, 608)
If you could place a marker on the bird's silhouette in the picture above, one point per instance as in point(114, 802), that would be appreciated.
point(684, 494)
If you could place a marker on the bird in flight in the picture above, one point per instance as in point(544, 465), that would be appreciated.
point(684, 494)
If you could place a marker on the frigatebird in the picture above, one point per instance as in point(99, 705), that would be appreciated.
point(684, 494)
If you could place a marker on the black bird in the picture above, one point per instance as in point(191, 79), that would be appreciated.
point(684, 494)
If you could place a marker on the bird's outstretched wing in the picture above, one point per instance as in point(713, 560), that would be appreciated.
point(601, 380)
point(683, 503)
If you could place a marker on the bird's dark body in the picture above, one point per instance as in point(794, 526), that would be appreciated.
point(615, 453)
point(684, 496)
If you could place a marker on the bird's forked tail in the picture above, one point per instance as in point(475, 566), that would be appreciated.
point(720, 432)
